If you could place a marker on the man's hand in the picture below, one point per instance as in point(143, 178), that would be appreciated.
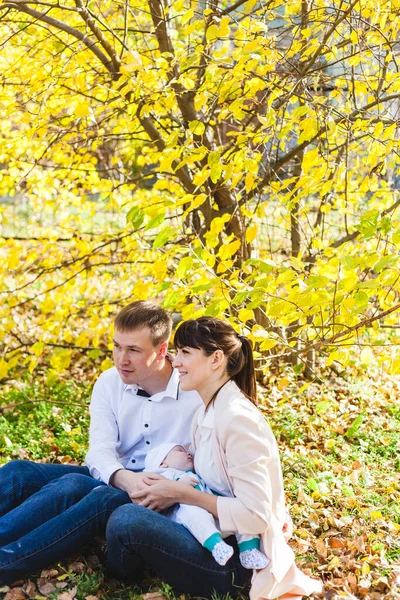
point(131, 483)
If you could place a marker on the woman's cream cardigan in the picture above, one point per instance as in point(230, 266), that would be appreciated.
point(246, 455)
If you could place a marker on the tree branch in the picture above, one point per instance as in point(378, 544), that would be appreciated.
point(90, 43)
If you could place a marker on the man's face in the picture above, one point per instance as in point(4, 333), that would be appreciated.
point(135, 356)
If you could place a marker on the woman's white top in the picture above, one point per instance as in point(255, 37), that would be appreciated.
point(204, 463)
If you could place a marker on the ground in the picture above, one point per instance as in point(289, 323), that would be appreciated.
point(340, 444)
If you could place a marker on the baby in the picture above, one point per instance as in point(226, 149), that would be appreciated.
point(174, 462)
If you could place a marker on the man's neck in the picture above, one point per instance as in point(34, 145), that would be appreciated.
point(158, 381)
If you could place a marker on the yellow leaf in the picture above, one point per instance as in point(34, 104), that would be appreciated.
point(367, 356)
point(197, 127)
point(246, 314)
point(249, 181)
point(228, 250)
point(82, 110)
point(251, 233)
point(3, 368)
point(106, 364)
point(375, 515)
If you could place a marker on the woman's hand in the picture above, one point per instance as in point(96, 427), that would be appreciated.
point(159, 495)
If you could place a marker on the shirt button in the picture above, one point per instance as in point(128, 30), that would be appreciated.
point(148, 399)
point(147, 442)
point(146, 424)
point(133, 460)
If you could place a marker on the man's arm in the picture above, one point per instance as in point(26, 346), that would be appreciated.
point(102, 458)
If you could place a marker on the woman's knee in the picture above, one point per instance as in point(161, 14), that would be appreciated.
point(128, 522)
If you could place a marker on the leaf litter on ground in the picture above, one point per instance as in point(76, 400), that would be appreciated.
point(340, 448)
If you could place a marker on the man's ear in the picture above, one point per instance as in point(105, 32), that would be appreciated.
point(162, 350)
point(217, 359)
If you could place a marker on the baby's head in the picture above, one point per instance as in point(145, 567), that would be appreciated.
point(172, 456)
point(178, 458)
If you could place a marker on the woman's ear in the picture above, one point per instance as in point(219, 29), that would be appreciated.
point(163, 465)
point(217, 359)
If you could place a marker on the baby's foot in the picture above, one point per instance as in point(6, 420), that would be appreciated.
point(253, 559)
point(222, 552)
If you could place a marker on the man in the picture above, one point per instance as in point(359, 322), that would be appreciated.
point(48, 511)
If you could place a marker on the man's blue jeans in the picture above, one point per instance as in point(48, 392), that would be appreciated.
point(48, 512)
point(138, 537)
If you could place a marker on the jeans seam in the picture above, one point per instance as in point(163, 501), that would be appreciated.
point(17, 485)
point(15, 562)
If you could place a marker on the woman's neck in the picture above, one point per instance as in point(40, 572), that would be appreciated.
point(210, 389)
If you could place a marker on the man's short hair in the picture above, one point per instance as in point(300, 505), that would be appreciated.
point(141, 314)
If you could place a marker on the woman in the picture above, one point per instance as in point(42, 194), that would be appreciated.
point(235, 452)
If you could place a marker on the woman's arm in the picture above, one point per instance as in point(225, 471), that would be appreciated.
point(159, 495)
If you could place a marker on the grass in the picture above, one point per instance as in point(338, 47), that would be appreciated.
point(341, 476)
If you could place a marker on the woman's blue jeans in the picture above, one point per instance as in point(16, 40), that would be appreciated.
point(48, 512)
point(138, 537)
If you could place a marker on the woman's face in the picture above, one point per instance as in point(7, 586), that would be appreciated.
point(194, 367)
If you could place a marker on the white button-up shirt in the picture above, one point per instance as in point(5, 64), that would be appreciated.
point(125, 426)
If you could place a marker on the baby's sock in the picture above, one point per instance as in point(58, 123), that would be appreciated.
point(253, 559)
point(250, 556)
point(220, 550)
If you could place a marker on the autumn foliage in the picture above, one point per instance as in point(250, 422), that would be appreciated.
point(237, 160)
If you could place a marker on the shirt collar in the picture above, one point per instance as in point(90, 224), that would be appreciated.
point(171, 391)
point(208, 417)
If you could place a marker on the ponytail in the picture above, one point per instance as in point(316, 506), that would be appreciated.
point(245, 379)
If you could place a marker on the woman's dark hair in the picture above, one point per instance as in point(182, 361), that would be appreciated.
point(210, 334)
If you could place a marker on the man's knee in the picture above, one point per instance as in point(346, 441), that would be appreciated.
point(76, 484)
point(16, 471)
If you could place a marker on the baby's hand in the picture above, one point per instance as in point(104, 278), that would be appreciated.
point(190, 481)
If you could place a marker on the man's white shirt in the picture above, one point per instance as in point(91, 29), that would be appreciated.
point(125, 426)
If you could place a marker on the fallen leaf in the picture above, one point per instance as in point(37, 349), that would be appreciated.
point(321, 548)
point(68, 595)
point(46, 588)
point(154, 596)
point(337, 543)
point(15, 594)
point(49, 573)
point(77, 567)
point(29, 589)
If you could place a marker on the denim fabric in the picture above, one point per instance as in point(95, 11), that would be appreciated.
point(138, 537)
point(49, 514)
point(19, 479)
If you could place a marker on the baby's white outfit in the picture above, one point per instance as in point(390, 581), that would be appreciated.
point(199, 521)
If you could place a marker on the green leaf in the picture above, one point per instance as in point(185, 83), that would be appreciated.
point(322, 406)
point(135, 217)
point(155, 222)
point(166, 235)
point(312, 484)
point(355, 426)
